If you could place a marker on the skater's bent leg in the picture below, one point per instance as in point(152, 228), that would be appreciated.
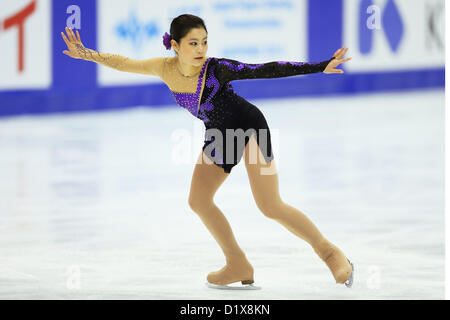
point(206, 179)
point(265, 191)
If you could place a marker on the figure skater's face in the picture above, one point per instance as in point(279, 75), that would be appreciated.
point(193, 45)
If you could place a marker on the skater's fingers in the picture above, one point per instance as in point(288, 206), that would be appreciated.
point(69, 34)
point(337, 52)
point(342, 53)
point(65, 39)
point(72, 36)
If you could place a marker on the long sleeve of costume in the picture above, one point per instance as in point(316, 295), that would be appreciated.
point(229, 70)
point(152, 66)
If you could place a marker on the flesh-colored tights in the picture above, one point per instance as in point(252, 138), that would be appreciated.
point(207, 178)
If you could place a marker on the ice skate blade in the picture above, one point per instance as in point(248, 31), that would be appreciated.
point(233, 287)
point(349, 282)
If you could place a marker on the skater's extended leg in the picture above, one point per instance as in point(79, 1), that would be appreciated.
point(265, 190)
point(207, 178)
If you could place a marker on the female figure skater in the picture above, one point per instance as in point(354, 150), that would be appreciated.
point(202, 85)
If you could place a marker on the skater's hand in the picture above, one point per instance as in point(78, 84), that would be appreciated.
point(76, 48)
point(331, 67)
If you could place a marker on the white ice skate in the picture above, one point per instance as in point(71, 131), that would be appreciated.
point(349, 281)
point(234, 286)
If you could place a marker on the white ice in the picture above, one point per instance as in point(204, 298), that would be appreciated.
point(95, 205)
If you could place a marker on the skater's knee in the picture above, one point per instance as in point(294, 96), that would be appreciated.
point(271, 208)
point(199, 204)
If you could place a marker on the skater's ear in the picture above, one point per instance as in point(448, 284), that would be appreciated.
point(175, 46)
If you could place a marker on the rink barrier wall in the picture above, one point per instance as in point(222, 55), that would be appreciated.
point(74, 83)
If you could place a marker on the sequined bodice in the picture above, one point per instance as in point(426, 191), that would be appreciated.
point(216, 104)
point(190, 101)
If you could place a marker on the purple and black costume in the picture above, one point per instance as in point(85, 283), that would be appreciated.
point(221, 108)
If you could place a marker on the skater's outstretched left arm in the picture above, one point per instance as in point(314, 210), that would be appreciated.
point(229, 69)
point(76, 50)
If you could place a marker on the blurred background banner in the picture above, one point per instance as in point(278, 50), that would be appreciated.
point(395, 45)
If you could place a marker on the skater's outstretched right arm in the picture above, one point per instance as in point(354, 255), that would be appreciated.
point(76, 50)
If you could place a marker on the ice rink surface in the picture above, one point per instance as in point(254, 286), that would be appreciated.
point(95, 205)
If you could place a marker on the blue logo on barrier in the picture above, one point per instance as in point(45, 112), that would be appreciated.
point(135, 31)
point(391, 21)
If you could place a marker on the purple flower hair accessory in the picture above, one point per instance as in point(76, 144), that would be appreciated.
point(166, 40)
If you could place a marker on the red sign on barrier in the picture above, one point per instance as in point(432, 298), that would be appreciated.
point(18, 20)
